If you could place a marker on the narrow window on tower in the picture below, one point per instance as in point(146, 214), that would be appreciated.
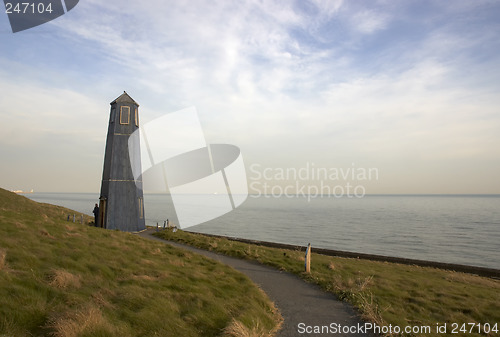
point(136, 118)
point(125, 115)
point(113, 113)
point(141, 208)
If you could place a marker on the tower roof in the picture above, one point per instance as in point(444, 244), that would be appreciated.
point(124, 98)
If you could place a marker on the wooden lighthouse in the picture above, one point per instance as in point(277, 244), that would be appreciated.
point(121, 204)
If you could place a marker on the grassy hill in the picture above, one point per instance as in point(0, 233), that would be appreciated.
point(58, 278)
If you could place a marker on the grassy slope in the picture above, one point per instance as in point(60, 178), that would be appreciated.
point(63, 279)
point(385, 293)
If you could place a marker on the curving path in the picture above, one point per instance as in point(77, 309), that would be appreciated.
point(298, 301)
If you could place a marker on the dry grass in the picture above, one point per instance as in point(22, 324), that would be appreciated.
point(86, 321)
point(472, 279)
point(370, 309)
point(63, 279)
point(20, 225)
point(101, 298)
point(3, 256)
point(147, 262)
point(156, 251)
point(176, 262)
point(73, 234)
point(145, 277)
point(44, 232)
point(238, 329)
point(357, 291)
point(364, 283)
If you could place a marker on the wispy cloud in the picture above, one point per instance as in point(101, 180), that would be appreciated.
point(324, 80)
point(369, 21)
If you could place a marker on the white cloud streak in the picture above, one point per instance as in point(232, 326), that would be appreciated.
point(272, 77)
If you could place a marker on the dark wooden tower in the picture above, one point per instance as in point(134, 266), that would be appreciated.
point(121, 204)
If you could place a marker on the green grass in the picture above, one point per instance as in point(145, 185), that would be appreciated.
point(58, 278)
point(384, 293)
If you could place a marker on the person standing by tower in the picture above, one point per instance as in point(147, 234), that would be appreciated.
point(96, 214)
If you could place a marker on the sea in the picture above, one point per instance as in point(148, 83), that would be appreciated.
point(462, 229)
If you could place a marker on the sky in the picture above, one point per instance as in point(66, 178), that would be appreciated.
point(409, 88)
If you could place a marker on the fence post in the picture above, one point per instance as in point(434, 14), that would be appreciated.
point(308, 258)
point(81, 218)
point(74, 217)
point(157, 226)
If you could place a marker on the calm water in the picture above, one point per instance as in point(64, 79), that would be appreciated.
point(455, 229)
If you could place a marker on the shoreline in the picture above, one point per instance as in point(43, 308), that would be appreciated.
point(478, 251)
point(481, 271)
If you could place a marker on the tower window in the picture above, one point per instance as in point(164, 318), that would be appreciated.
point(113, 113)
point(124, 115)
point(136, 118)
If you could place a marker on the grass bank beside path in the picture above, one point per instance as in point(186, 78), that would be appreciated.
point(59, 278)
point(385, 293)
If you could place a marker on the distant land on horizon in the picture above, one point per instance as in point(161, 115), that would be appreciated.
point(299, 194)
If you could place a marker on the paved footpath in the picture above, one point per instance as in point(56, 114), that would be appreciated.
point(298, 301)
